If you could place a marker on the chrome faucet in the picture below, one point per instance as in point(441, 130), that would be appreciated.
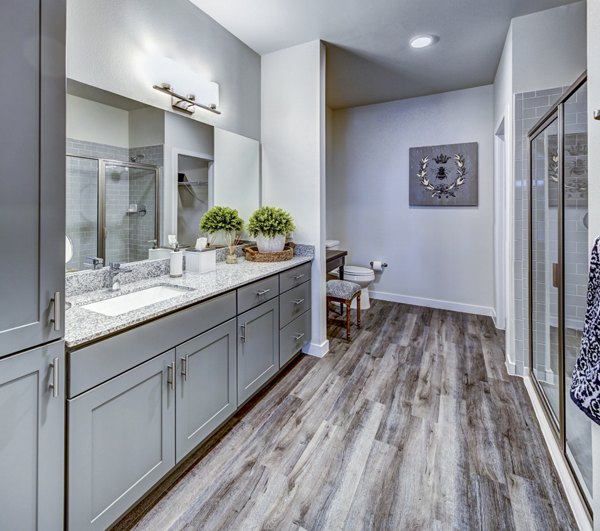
point(115, 270)
point(94, 262)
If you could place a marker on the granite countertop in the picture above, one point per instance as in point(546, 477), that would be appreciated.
point(83, 326)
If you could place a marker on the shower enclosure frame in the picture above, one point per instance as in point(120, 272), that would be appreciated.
point(558, 426)
point(101, 180)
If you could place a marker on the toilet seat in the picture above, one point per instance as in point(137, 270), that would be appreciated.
point(358, 271)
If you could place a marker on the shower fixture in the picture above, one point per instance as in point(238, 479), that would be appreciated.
point(137, 158)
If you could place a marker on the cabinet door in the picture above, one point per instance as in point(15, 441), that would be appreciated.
point(32, 417)
point(206, 387)
point(32, 171)
point(258, 348)
point(121, 438)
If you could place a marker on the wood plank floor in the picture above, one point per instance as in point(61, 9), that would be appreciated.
point(413, 425)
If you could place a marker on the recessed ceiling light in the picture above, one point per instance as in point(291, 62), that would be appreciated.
point(422, 41)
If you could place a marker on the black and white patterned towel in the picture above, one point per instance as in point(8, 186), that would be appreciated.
point(585, 389)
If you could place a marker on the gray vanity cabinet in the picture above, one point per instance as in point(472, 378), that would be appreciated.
point(32, 439)
point(121, 442)
point(258, 348)
point(206, 386)
point(32, 172)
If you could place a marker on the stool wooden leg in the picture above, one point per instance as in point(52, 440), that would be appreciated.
point(348, 303)
point(358, 310)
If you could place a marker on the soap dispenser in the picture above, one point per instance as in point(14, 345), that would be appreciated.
point(176, 264)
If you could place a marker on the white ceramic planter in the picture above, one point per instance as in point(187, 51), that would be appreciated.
point(270, 245)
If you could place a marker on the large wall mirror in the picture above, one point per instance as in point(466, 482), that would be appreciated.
point(136, 174)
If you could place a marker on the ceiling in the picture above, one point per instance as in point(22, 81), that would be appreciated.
point(369, 59)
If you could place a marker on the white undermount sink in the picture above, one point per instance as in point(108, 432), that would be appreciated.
point(136, 300)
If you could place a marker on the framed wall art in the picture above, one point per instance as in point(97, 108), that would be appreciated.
point(443, 175)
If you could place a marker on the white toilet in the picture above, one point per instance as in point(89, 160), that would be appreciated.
point(363, 276)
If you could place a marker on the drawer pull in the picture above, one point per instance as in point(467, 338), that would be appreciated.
point(56, 310)
point(298, 277)
point(55, 378)
point(262, 292)
point(298, 301)
point(298, 337)
point(170, 375)
point(184, 368)
point(243, 333)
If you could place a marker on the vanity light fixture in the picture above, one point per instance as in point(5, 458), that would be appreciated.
point(423, 41)
point(186, 103)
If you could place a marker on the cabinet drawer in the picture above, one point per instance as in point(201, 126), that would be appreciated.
point(294, 277)
point(293, 337)
point(294, 303)
point(256, 293)
point(102, 361)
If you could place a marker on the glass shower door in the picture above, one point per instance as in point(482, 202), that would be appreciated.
point(578, 434)
point(544, 265)
point(130, 210)
point(558, 260)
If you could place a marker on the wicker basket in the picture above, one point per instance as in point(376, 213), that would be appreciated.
point(253, 254)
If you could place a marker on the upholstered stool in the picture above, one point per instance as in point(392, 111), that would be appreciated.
point(344, 292)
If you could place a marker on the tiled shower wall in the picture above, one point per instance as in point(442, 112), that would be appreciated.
point(128, 234)
point(529, 108)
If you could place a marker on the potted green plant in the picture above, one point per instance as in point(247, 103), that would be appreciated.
point(270, 226)
point(225, 222)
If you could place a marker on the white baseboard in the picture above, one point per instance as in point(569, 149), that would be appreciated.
point(511, 366)
point(433, 303)
point(317, 350)
point(493, 316)
point(561, 466)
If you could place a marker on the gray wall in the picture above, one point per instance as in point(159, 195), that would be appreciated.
point(110, 44)
point(549, 48)
point(437, 256)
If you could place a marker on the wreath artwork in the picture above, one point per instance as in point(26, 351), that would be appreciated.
point(443, 175)
point(443, 190)
point(575, 170)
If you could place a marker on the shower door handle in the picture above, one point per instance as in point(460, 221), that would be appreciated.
point(555, 275)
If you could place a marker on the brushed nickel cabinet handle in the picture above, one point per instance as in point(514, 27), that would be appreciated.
point(185, 367)
point(298, 301)
point(262, 292)
point(243, 333)
point(298, 337)
point(54, 385)
point(170, 375)
point(298, 277)
point(56, 312)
